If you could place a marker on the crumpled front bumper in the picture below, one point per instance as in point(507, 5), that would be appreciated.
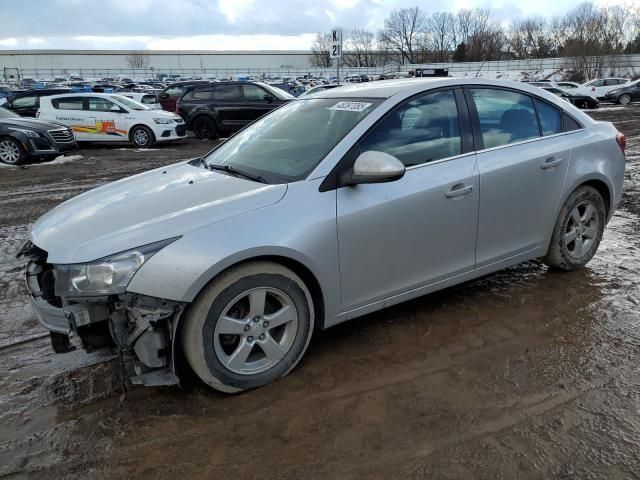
point(51, 317)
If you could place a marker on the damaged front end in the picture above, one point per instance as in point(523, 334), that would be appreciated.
point(90, 302)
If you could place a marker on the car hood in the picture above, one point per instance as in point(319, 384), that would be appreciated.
point(149, 207)
point(32, 123)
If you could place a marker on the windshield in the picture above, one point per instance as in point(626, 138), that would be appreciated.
point(4, 113)
point(278, 92)
point(286, 145)
point(127, 102)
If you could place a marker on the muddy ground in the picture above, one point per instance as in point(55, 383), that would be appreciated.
point(523, 374)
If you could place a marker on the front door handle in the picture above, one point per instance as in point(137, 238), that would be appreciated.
point(551, 162)
point(459, 190)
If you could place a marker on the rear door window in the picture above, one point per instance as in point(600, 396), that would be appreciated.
point(550, 118)
point(227, 92)
point(68, 103)
point(199, 94)
point(505, 116)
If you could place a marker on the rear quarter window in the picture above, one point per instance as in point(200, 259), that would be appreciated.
point(569, 123)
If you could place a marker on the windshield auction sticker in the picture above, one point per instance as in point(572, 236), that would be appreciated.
point(351, 106)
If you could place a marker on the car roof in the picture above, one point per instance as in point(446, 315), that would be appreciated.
point(389, 88)
point(85, 94)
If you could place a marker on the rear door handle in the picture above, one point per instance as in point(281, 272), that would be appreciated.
point(551, 162)
point(459, 190)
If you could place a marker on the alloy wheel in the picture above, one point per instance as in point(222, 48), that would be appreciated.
point(581, 229)
point(140, 137)
point(255, 330)
point(625, 99)
point(9, 152)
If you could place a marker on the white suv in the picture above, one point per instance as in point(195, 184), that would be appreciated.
point(101, 117)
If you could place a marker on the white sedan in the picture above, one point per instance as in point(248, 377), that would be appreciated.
point(102, 117)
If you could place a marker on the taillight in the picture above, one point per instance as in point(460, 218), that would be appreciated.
point(622, 142)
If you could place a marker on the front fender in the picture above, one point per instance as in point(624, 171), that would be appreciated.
point(302, 231)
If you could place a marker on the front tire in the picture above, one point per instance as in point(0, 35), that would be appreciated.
point(142, 137)
point(578, 230)
point(11, 151)
point(624, 99)
point(249, 327)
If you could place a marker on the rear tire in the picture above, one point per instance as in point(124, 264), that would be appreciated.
point(142, 137)
point(578, 230)
point(204, 128)
point(11, 152)
point(234, 343)
point(624, 99)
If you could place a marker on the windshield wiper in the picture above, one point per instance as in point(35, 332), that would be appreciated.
point(235, 171)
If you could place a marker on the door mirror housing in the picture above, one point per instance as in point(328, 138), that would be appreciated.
point(164, 95)
point(115, 108)
point(269, 98)
point(375, 167)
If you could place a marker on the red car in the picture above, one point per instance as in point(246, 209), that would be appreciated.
point(168, 97)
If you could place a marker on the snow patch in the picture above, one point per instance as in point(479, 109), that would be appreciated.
point(56, 161)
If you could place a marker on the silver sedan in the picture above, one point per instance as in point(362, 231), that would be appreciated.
point(324, 210)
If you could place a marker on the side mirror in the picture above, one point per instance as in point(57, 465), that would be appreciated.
point(164, 95)
point(268, 98)
point(376, 167)
point(115, 108)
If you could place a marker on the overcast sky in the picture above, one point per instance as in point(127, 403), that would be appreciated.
point(216, 24)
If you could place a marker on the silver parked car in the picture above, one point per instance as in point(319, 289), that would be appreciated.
point(324, 210)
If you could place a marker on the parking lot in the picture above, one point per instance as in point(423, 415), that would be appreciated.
point(522, 374)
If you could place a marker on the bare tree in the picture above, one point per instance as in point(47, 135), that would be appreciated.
point(527, 38)
point(138, 59)
point(481, 34)
point(402, 33)
point(441, 35)
point(320, 51)
point(360, 49)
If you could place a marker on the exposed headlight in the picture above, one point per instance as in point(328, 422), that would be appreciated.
point(163, 120)
point(106, 276)
point(28, 133)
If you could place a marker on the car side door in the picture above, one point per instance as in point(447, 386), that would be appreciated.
point(70, 111)
point(106, 120)
point(523, 157)
point(397, 237)
point(228, 106)
point(257, 101)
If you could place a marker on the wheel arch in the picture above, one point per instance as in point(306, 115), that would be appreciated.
point(295, 265)
point(603, 190)
point(202, 113)
point(133, 127)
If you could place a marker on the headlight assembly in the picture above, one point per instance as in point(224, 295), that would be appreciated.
point(106, 276)
point(28, 133)
point(163, 120)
